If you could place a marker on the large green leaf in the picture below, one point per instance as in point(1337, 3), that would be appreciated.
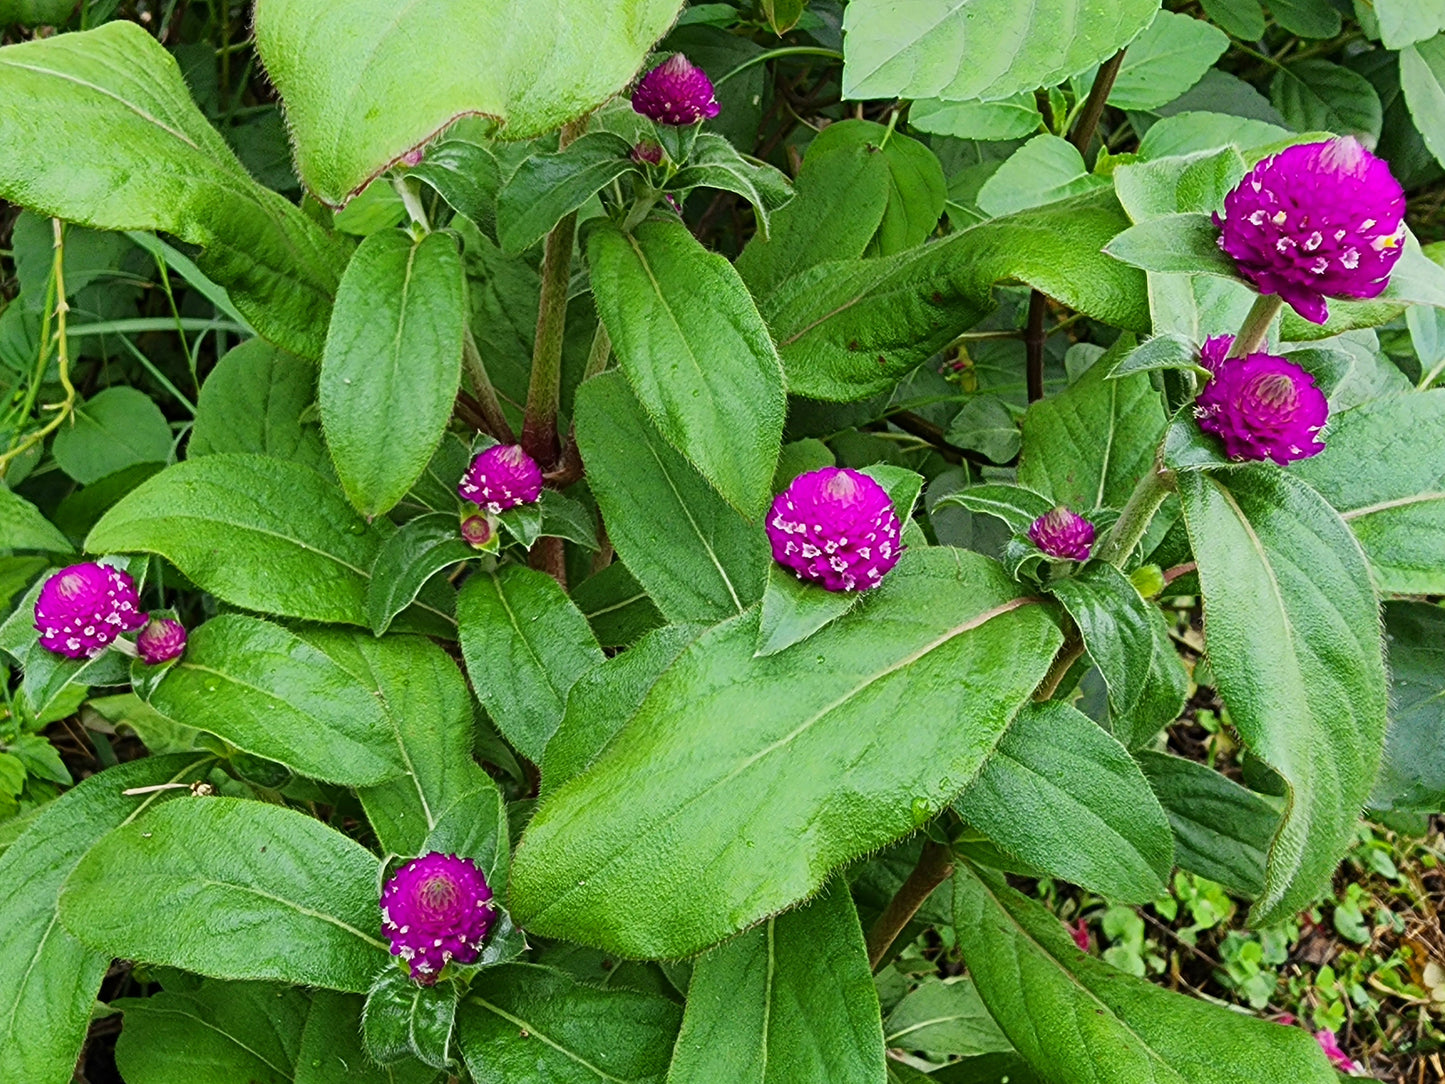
point(692, 552)
point(789, 1002)
point(962, 49)
point(741, 782)
point(849, 329)
point(407, 561)
point(110, 138)
point(392, 364)
point(331, 1050)
point(528, 1023)
point(944, 1019)
point(1413, 775)
point(404, 1020)
point(547, 186)
point(266, 534)
point(716, 163)
point(235, 889)
point(1066, 798)
point(1383, 469)
point(1320, 96)
point(1422, 79)
point(48, 980)
point(1045, 169)
point(1078, 1021)
point(1405, 21)
point(696, 351)
point(1166, 60)
point(349, 74)
point(525, 644)
point(114, 429)
point(247, 1031)
point(254, 401)
point(1293, 633)
point(22, 527)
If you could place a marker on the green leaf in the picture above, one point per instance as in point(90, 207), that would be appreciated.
point(266, 534)
point(1182, 242)
point(943, 1019)
point(1167, 351)
point(1087, 446)
point(331, 1049)
point(111, 139)
point(789, 1001)
point(1242, 18)
point(1043, 170)
point(254, 401)
point(1063, 796)
point(841, 195)
point(420, 549)
point(697, 353)
point(547, 186)
point(563, 517)
point(48, 980)
point(985, 424)
point(716, 163)
point(1381, 474)
point(266, 691)
point(602, 700)
point(392, 365)
point(247, 1031)
point(1166, 60)
point(404, 1019)
point(616, 607)
point(36, 12)
point(1307, 18)
point(1413, 774)
point(783, 15)
point(989, 49)
point(1191, 132)
point(22, 527)
point(1014, 505)
point(681, 834)
point(793, 610)
point(850, 329)
point(1222, 830)
point(1128, 640)
point(299, 898)
point(696, 557)
point(1011, 118)
point(1076, 1020)
point(917, 191)
point(1403, 22)
point(1319, 96)
point(525, 644)
point(465, 174)
point(1293, 635)
point(117, 428)
point(533, 1023)
point(348, 76)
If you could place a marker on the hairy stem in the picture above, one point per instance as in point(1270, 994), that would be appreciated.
point(1134, 520)
point(1068, 654)
point(491, 406)
point(1255, 328)
point(935, 865)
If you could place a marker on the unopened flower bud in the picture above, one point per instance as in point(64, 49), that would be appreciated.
point(477, 530)
point(835, 527)
point(435, 909)
point(161, 641)
point(82, 609)
point(1260, 406)
point(500, 478)
point(676, 92)
point(647, 152)
point(1064, 534)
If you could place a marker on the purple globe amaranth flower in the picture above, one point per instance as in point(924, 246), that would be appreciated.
point(835, 527)
point(1261, 406)
point(435, 909)
point(82, 609)
point(676, 92)
point(1061, 533)
point(161, 641)
point(502, 477)
point(1316, 220)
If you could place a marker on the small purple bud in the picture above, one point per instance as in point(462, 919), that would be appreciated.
point(835, 527)
point(161, 641)
point(435, 909)
point(1261, 406)
point(82, 609)
point(676, 92)
point(1316, 220)
point(500, 478)
point(413, 157)
point(648, 152)
point(1061, 533)
point(477, 530)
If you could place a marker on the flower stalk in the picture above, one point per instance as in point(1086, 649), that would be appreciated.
point(1134, 520)
point(1255, 329)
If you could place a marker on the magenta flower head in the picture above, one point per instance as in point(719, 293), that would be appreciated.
point(835, 527)
point(1316, 220)
point(676, 92)
point(1261, 406)
point(163, 640)
point(1064, 534)
point(436, 908)
point(82, 609)
point(502, 477)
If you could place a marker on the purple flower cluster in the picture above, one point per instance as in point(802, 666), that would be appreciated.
point(163, 640)
point(435, 909)
point(1316, 220)
point(676, 92)
point(836, 528)
point(500, 478)
point(1260, 406)
point(84, 608)
point(1063, 534)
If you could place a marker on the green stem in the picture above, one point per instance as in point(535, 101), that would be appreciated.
point(601, 350)
point(935, 865)
point(411, 200)
point(1255, 328)
point(485, 391)
point(640, 210)
point(1134, 520)
point(773, 54)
